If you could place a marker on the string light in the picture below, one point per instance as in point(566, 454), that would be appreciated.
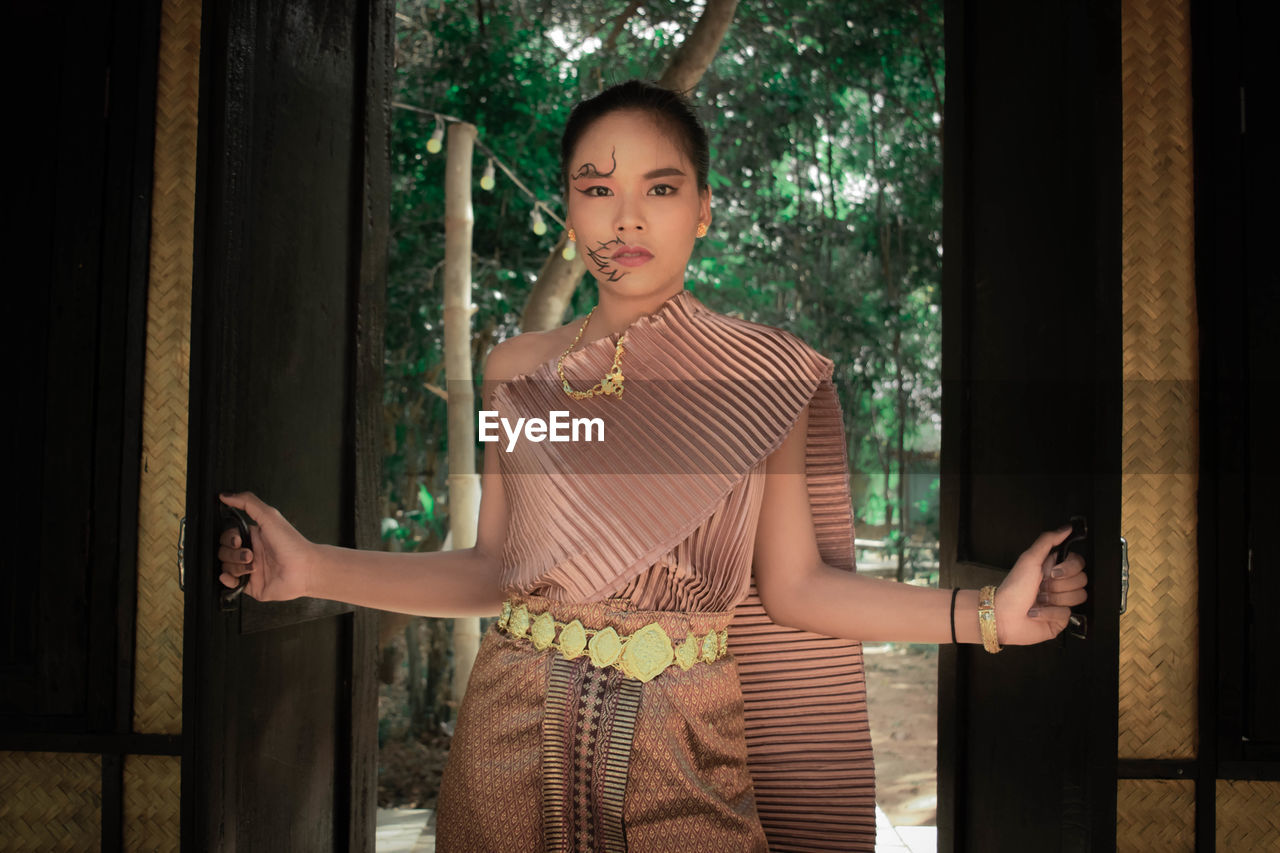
point(436, 142)
point(487, 182)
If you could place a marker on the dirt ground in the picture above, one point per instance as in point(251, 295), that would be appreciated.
point(409, 773)
point(902, 697)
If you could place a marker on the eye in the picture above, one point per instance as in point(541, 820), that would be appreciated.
point(591, 191)
point(666, 189)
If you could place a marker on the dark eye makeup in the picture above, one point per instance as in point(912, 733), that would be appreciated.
point(667, 189)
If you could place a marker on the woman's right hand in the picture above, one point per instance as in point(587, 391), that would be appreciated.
point(277, 560)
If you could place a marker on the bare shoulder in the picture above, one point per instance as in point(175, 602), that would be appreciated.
point(524, 352)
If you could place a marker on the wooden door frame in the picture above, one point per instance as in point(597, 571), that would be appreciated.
point(222, 139)
point(1218, 79)
point(1100, 23)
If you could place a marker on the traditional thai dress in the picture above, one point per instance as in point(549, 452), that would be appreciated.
point(634, 694)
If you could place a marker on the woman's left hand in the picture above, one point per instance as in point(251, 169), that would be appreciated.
point(1034, 602)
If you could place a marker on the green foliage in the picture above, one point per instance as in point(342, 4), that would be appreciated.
point(825, 122)
point(828, 124)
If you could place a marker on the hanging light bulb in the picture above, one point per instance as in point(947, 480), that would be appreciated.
point(436, 142)
point(486, 183)
point(539, 227)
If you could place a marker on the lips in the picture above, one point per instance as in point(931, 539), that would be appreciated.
point(631, 256)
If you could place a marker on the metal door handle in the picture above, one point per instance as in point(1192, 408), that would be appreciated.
point(182, 557)
point(1124, 574)
point(1077, 623)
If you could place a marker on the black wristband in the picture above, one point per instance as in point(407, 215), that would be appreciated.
point(954, 593)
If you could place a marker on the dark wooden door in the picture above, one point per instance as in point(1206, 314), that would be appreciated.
point(292, 200)
point(80, 119)
point(1031, 411)
point(1238, 298)
point(1258, 738)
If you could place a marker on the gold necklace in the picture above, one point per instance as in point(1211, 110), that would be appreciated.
point(612, 382)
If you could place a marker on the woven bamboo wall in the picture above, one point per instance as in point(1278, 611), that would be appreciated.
point(1156, 814)
point(1248, 815)
point(1158, 633)
point(152, 783)
point(152, 803)
point(50, 801)
point(157, 700)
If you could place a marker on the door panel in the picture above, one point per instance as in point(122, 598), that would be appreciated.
point(293, 197)
point(1261, 180)
point(290, 744)
point(1031, 412)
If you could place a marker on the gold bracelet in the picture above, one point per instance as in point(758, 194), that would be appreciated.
point(987, 619)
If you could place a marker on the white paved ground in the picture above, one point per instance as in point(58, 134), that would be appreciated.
point(412, 831)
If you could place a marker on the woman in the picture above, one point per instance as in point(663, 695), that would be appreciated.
point(677, 662)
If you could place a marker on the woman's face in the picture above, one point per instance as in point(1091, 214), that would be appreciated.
point(634, 204)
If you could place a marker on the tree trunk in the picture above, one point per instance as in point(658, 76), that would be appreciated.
point(390, 624)
point(416, 683)
point(558, 278)
point(696, 52)
point(464, 482)
point(904, 509)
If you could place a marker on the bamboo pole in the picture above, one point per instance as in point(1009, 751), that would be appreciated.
point(464, 481)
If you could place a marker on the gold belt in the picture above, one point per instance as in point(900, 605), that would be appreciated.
point(641, 654)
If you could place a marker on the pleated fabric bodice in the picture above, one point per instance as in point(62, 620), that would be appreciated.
point(664, 512)
point(711, 568)
point(707, 570)
point(660, 554)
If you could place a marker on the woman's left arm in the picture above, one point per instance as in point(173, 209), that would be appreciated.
point(799, 590)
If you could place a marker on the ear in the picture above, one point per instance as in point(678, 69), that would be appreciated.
point(704, 214)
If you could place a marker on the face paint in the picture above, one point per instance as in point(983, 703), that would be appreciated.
point(630, 204)
point(589, 170)
point(602, 254)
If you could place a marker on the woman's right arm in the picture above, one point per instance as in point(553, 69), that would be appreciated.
point(283, 564)
point(443, 584)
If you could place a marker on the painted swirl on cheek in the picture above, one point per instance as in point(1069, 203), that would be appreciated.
point(601, 256)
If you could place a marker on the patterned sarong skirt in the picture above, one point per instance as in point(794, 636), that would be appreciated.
point(556, 754)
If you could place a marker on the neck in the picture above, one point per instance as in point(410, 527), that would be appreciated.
point(617, 311)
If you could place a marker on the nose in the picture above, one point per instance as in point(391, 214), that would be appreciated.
point(629, 215)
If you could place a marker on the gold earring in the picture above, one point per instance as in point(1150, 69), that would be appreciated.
point(570, 250)
point(702, 229)
point(572, 238)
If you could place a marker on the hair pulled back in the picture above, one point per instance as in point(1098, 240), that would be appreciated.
point(670, 108)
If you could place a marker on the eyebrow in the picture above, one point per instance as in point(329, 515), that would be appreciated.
point(669, 171)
